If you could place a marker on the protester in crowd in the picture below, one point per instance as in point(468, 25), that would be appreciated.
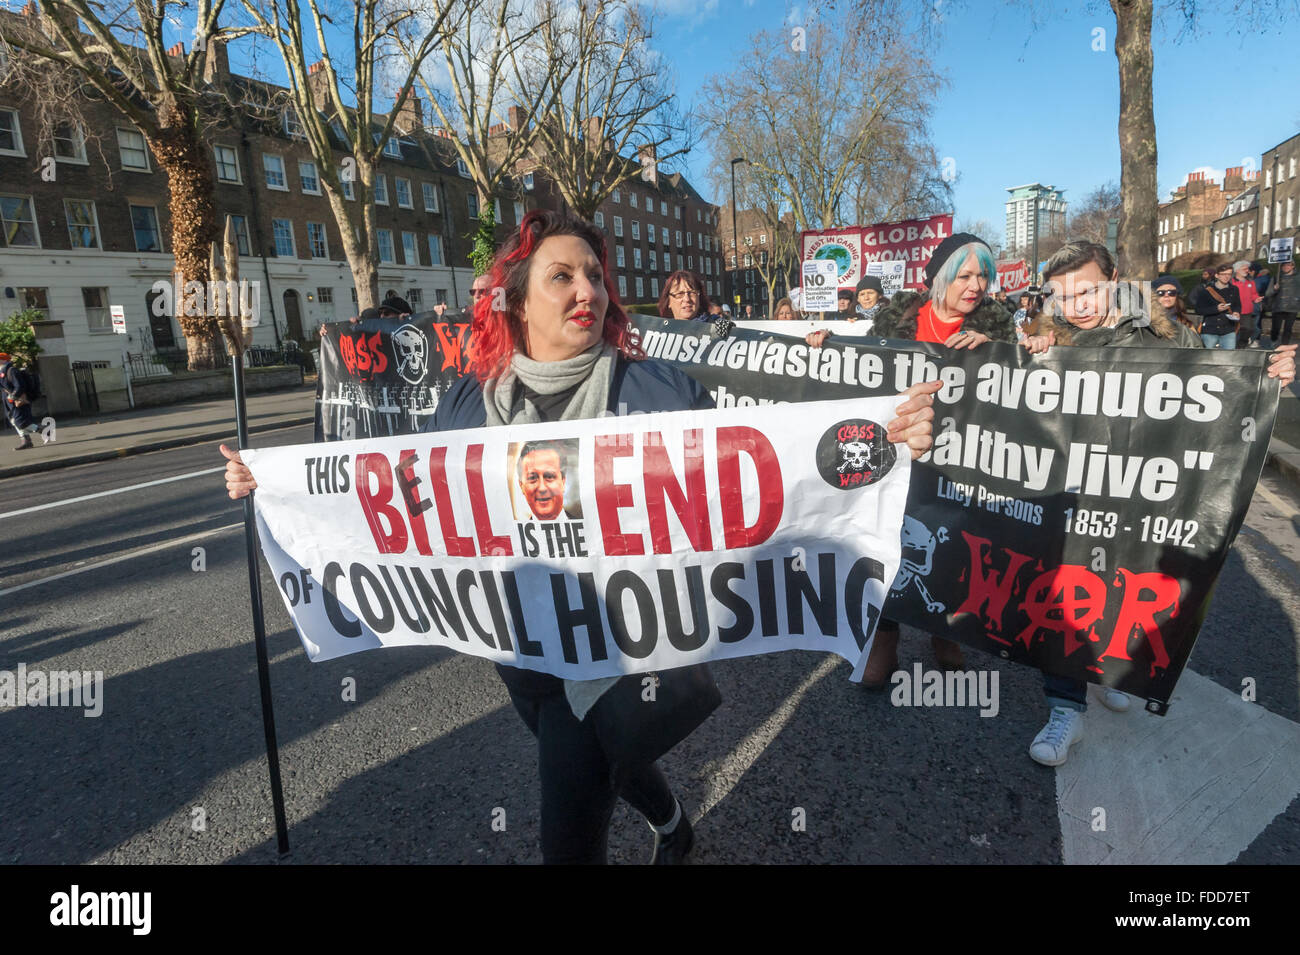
point(394, 307)
point(749, 313)
point(1244, 280)
point(1283, 300)
point(843, 303)
point(715, 310)
point(17, 392)
point(870, 298)
point(1207, 276)
point(1168, 294)
point(562, 351)
point(683, 298)
point(957, 313)
point(1086, 308)
point(1219, 307)
point(784, 310)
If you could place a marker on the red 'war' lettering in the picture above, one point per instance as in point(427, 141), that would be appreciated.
point(1139, 612)
point(449, 337)
point(1067, 600)
point(691, 505)
point(771, 492)
point(375, 504)
point(611, 497)
point(457, 546)
point(989, 594)
point(488, 543)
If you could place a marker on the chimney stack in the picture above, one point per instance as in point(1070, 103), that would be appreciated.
point(216, 68)
point(177, 50)
point(516, 118)
point(648, 157)
point(317, 84)
point(410, 112)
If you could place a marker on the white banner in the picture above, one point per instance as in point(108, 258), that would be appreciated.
point(598, 547)
point(799, 328)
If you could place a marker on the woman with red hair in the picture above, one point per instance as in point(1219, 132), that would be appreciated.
point(551, 343)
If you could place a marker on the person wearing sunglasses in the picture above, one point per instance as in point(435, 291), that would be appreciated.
point(1168, 295)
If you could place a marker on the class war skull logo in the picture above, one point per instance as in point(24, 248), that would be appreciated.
point(411, 351)
point(854, 453)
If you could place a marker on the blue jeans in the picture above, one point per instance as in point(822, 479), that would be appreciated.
point(1219, 341)
point(1062, 691)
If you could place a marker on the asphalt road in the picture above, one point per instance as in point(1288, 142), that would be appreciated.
point(430, 753)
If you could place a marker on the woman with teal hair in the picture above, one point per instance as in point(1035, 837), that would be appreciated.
point(954, 311)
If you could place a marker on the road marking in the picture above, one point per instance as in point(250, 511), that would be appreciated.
point(1286, 509)
point(1195, 787)
point(121, 557)
point(120, 490)
point(728, 772)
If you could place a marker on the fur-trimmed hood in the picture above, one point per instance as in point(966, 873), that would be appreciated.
point(1138, 326)
point(897, 318)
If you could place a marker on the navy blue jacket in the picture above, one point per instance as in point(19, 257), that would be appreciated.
point(643, 386)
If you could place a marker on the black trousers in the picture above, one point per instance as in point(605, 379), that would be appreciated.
point(578, 795)
point(1282, 321)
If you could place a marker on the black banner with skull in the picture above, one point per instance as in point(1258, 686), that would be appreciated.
point(383, 377)
point(1076, 508)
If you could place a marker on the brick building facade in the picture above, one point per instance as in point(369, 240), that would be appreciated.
point(1184, 222)
point(1279, 194)
point(654, 224)
point(86, 223)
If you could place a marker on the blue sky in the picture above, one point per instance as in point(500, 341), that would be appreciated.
point(1009, 81)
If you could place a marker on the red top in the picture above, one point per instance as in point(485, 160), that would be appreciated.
point(930, 328)
point(1249, 295)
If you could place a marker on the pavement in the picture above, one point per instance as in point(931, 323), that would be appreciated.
point(84, 440)
point(99, 438)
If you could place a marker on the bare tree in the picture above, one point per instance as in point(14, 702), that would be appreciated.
point(1090, 220)
point(116, 50)
point(610, 94)
point(481, 60)
point(344, 95)
point(983, 228)
point(836, 122)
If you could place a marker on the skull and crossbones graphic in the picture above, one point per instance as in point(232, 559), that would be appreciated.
point(410, 348)
point(917, 557)
point(857, 456)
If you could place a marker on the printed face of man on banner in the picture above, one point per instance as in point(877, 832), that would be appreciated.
point(540, 471)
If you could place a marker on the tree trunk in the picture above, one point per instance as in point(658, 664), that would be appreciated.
point(184, 157)
point(362, 257)
point(1137, 140)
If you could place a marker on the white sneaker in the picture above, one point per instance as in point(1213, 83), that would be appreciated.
point(1051, 746)
point(1113, 699)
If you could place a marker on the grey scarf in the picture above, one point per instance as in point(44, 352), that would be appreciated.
point(592, 372)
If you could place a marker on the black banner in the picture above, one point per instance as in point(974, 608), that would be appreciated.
point(384, 376)
point(1076, 508)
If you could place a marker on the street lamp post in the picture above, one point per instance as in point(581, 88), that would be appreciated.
point(735, 236)
point(1035, 220)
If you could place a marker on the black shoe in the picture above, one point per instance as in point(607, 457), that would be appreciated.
point(673, 848)
point(27, 443)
